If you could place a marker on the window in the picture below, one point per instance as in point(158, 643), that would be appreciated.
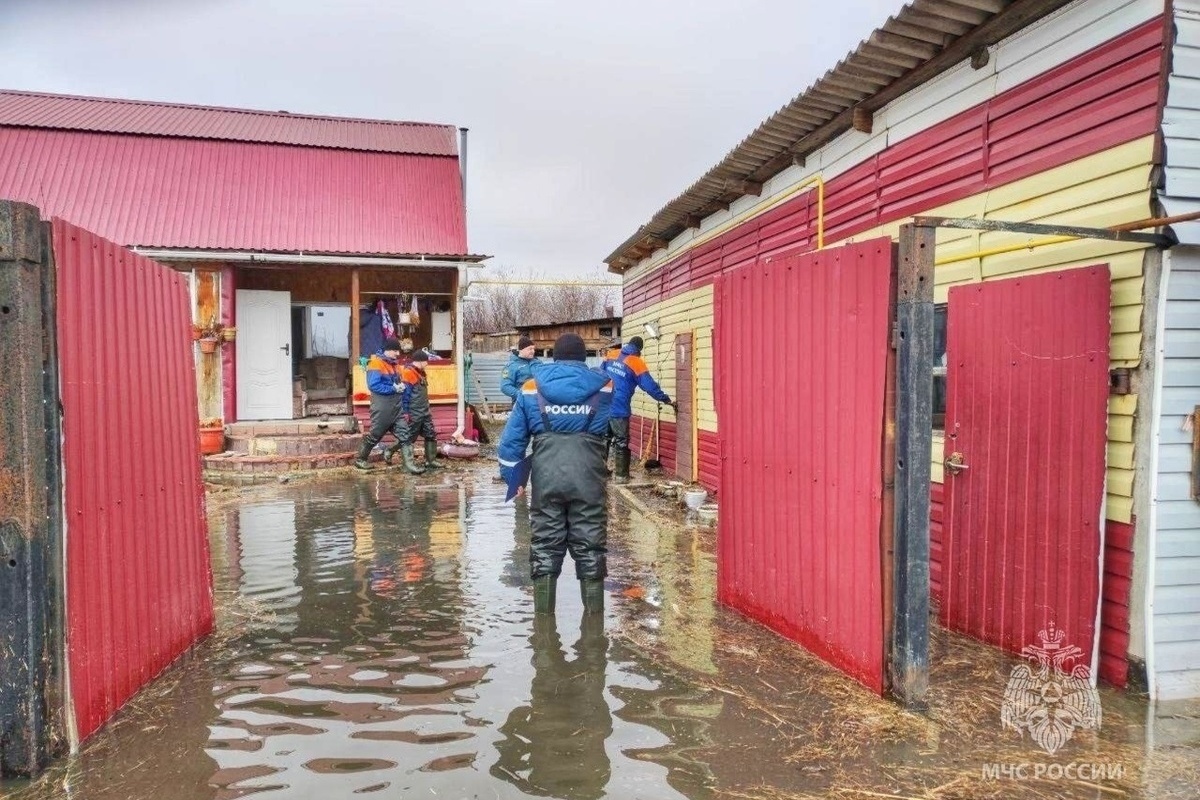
point(605, 331)
point(939, 367)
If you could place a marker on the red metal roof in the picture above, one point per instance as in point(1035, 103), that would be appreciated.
point(188, 193)
point(107, 115)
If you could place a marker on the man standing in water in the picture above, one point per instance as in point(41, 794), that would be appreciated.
point(564, 410)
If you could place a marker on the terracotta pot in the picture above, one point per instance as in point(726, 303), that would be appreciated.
point(208, 345)
point(212, 440)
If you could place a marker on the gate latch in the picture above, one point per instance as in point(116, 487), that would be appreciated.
point(955, 463)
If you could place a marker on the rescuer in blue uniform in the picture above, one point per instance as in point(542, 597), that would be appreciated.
point(383, 379)
point(628, 372)
point(564, 410)
point(520, 368)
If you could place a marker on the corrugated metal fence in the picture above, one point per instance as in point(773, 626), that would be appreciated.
point(111, 333)
point(139, 590)
point(801, 355)
point(488, 367)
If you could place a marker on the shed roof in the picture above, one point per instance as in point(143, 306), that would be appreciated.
point(148, 118)
point(924, 39)
point(218, 179)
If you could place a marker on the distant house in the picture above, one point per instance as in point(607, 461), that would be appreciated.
point(293, 228)
point(596, 333)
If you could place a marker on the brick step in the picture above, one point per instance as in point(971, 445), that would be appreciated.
point(294, 445)
point(275, 465)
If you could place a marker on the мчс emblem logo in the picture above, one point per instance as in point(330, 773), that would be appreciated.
point(1051, 696)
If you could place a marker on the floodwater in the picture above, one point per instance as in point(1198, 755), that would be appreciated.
point(376, 638)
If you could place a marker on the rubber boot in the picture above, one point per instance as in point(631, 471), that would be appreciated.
point(390, 452)
point(592, 592)
point(431, 455)
point(544, 591)
point(621, 460)
point(409, 464)
point(364, 453)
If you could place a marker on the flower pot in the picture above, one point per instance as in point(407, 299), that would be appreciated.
point(212, 440)
point(229, 334)
point(208, 345)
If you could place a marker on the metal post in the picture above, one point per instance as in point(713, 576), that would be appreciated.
point(28, 601)
point(914, 443)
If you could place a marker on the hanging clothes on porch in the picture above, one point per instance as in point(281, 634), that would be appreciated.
point(389, 330)
point(370, 332)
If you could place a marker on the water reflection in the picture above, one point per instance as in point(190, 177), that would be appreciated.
point(554, 746)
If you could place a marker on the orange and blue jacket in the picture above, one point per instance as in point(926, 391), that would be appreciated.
point(628, 372)
point(382, 375)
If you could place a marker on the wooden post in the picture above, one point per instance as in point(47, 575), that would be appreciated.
point(355, 331)
point(30, 519)
point(914, 444)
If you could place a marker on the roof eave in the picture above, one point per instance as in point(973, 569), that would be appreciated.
point(843, 99)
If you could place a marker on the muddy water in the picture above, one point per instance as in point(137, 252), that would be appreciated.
point(377, 639)
point(386, 646)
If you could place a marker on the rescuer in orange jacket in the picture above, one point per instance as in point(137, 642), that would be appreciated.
point(383, 379)
point(416, 419)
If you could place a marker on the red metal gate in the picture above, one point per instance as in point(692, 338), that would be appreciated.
point(801, 351)
point(139, 590)
point(1026, 412)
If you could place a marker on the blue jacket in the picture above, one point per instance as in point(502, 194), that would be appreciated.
point(382, 374)
point(567, 387)
point(516, 372)
point(628, 371)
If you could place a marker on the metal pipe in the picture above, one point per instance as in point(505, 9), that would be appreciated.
point(460, 352)
point(1010, 248)
point(1156, 222)
point(416, 262)
point(462, 164)
point(493, 282)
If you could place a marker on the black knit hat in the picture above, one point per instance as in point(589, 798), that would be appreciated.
point(524, 342)
point(391, 344)
point(570, 347)
point(636, 343)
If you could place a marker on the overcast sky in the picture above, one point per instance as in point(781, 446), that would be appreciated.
point(585, 117)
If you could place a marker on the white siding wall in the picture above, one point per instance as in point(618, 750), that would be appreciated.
point(1181, 121)
point(1176, 615)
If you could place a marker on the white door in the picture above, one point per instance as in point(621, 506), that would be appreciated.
point(264, 355)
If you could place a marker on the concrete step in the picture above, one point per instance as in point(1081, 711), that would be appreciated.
point(294, 444)
point(308, 426)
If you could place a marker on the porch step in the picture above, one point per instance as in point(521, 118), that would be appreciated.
point(235, 463)
point(294, 444)
point(310, 426)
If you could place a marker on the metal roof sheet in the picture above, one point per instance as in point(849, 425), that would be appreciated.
point(218, 195)
point(924, 39)
point(109, 115)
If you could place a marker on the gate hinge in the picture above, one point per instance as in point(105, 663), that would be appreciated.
point(895, 335)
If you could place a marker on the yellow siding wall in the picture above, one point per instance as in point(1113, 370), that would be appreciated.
point(690, 311)
point(1104, 189)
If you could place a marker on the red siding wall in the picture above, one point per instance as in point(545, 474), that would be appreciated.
point(139, 590)
point(1105, 97)
point(798, 536)
point(1114, 604)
